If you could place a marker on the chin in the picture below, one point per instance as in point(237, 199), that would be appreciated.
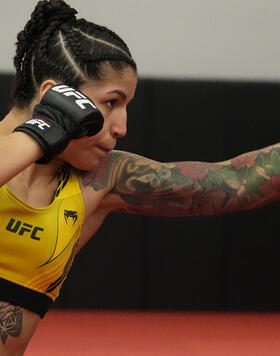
point(88, 165)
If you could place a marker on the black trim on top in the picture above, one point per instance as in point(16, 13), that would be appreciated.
point(24, 297)
point(63, 179)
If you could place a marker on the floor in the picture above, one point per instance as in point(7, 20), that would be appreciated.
point(156, 334)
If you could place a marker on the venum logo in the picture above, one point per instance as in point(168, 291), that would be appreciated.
point(68, 214)
point(20, 228)
point(81, 101)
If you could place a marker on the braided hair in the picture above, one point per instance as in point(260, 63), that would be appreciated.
point(55, 45)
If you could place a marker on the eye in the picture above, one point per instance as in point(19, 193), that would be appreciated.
point(111, 103)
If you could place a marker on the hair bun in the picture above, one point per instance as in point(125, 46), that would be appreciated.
point(61, 14)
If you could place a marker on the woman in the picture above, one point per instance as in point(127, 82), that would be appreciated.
point(55, 196)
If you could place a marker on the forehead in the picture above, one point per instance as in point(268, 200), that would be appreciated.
point(124, 80)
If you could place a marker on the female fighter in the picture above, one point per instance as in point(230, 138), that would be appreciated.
point(60, 175)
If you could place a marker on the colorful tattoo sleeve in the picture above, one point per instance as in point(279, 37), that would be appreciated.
point(194, 188)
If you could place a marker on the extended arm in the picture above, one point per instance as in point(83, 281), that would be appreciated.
point(142, 186)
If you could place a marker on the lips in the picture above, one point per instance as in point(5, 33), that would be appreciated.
point(105, 149)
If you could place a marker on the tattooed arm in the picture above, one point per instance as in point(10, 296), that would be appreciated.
point(10, 321)
point(17, 326)
point(142, 186)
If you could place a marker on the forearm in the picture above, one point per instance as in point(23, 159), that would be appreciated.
point(17, 151)
point(197, 188)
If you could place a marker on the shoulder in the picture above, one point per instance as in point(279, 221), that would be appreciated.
point(103, 187)
point(103, 176)
point(96, 184)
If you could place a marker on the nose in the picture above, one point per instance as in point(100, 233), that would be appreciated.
point(119, 126)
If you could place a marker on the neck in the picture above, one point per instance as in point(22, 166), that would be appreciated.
point(39, 175)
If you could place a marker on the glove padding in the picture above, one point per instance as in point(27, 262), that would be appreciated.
point(63, 114)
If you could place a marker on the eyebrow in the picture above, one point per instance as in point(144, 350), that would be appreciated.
point(116, 91)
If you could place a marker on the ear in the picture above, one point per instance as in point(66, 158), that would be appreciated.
point(45, 86)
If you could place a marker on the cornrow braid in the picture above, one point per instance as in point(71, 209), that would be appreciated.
point(42, 49)
point(26, 41)
point(55, 45)
point(73, 43)
point(85, 27)
point(70, 56)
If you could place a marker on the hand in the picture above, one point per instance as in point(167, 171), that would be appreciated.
point(63, 114)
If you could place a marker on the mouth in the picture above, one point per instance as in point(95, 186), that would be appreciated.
point(105, 149)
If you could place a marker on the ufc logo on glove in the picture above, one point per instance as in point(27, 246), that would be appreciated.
point(67, 91)
point(42, 124)
point(63, 114)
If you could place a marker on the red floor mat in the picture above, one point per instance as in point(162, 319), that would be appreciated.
point(156, 334)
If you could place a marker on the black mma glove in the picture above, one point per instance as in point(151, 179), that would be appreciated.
point(63, 114)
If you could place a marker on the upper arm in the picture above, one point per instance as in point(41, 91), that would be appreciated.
point(139, 185)
point(17, 151)
point(123, 178)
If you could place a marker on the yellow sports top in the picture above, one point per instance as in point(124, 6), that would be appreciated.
point(37, 246)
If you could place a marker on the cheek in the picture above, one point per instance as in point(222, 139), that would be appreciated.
point(82, 149)
point(85, 142)
point(103, 109)
point(80, 157)
point(77, 149)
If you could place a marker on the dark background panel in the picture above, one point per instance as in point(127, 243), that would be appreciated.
point(185, 264)
point(185, 121)
point(252, 259)
point(5, 87)
point(225, 262)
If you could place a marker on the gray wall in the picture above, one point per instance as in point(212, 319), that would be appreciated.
point(180, 38)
